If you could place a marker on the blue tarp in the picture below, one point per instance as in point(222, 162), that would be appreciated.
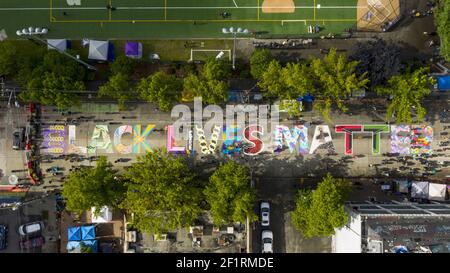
point(73, 246)
point(74, 234)
point(307, 98)
point(443, 83)
point(87, 233)
point(92, 244)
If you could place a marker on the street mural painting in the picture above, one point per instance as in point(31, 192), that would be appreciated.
point(256, 145)
point(140, 143)
point(322, 140)
point(171, 147)
point(73, 148)
point(54, 139)
point(121, 148)
point(348, 130)
point(400, 139)
point(299, 134)
point(100, 140)
point(376, 131)
point(232, 140)
point(422, 137)
point(204, 147)
point(404, 139)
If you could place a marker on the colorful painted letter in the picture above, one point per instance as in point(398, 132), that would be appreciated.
point(123, 149)
point(139, 139)
point(256, 143)
point(171, 142)
point(376, 136)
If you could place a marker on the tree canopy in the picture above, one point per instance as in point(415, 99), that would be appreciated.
point(259, 62)
point(442, 19)
point(122, 65)
point(334, 79)
point(229, 194)
point(216, 70)
point(286, 83)
point(380, 59)
point(162, 193)
point(117, 88)
point(318, 213)
point(7, 58)
point(93, 187)
point(211, 91)
point(407, 91)
point(160, 88)
point(52, 80)
point(212, 83)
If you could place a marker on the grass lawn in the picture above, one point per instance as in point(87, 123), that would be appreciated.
point(172, 19)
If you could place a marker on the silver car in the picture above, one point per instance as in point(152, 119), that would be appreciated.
point(31, 228)
point(265, 211)
point(267, 241)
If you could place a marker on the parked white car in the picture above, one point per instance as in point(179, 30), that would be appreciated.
point(267, 241)
point(265, 211)
point(30, 228)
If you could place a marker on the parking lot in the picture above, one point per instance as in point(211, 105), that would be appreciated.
point(39, 210)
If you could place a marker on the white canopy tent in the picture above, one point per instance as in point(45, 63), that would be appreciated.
point(98, 50)
point(104, 216)
point(61, 44)
point(437, 191)
point(419, 189)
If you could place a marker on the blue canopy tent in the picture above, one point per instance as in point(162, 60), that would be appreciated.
point(92, 244)
point(74, 233)
point(307, 102)
point(73, 247)
point(443, 83)
point(88, 232)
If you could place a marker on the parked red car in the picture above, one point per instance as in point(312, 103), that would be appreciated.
point(32, 243)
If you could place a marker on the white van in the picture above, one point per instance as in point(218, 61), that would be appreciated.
point(30, 228)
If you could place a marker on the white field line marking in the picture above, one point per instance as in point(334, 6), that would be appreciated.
point(235, 4)
point(158, 8)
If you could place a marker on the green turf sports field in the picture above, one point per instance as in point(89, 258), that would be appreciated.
point(171, 19)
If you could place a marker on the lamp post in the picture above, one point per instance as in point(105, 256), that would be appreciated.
point(235, 32)
point(33, 33)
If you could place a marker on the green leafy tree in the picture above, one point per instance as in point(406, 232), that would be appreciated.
point(216, 70)
point(335, 78)
point(259, 62)
point(8, 55)
point(229, 194)
point(271, 80)
point(160, 88)
point(162, 193)
point(318, 213)
point(211, 91)
point(51, 89)
point(407, 91)
point(118, 88)
point(442, 19)
point(212, 83)
point(93, 187)
point(53, 79)
point(122, 65)
point(63, 66)
point(292, 107)
point(287, 83)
